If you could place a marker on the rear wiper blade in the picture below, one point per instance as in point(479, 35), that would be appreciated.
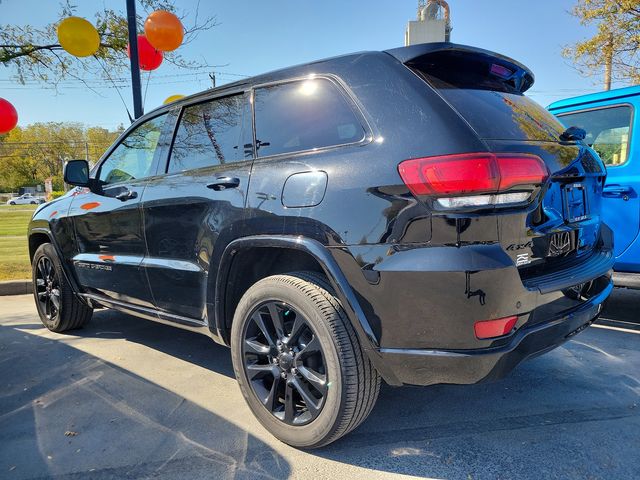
point(573, 133)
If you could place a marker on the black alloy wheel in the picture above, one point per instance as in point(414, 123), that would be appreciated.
point(47, 289)
point(284, 363)
point(58, 306)
point(298, 361)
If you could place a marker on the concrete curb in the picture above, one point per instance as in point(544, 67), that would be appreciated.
point(16, 287)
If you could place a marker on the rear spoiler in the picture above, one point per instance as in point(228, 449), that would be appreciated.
point(456, 61)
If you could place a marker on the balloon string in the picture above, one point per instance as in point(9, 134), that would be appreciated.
point(144, 100)
point(115, 86)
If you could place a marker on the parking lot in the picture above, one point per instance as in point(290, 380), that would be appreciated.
point(127, 398)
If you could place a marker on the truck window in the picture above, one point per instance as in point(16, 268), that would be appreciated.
point(608, 131)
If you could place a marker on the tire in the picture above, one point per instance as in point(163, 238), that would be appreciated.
point(349, 381)
point(12, 203)
point(33, 203)
point(58, 307)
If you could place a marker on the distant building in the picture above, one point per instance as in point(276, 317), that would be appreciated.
point(433, 23)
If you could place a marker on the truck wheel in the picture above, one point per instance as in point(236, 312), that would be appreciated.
point(298, 361)
point(59, 308)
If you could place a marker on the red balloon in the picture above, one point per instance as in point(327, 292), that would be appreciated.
point(8, 116)
point(148, 56)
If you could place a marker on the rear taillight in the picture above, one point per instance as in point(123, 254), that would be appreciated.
point(474, 179)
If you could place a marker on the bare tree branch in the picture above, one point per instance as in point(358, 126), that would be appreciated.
point(32, 53)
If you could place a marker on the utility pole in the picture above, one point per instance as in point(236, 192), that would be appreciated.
point(212, 76)
point(608, 62)
point(135, 65)
point(65, 187)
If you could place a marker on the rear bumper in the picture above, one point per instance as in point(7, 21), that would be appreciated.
point(428, 367)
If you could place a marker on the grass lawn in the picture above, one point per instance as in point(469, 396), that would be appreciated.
point(14, 252)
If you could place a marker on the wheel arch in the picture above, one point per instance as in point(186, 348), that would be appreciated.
point(39, 236)
point(36, 239)
point(313, 256)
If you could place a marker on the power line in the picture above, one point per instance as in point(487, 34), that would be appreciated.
point(124, 80)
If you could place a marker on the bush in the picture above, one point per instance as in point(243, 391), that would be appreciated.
point(57, 193)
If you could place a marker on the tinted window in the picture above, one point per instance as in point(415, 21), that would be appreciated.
point(499, 115)
point(133, 157)
point(212, 133)
point(607, 131)
point(303, 115)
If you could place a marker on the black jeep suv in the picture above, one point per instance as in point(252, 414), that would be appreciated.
point(406, 215)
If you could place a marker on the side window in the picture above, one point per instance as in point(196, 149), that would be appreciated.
point(132, 159)
point(608, 131)
point(212, 133)
point(303, 115)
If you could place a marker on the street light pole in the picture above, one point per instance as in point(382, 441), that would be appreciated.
point(133, 53)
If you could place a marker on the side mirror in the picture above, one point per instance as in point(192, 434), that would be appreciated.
point(76, 172)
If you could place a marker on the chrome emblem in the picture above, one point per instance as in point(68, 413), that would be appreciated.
point(522, 259)
point(560, 244)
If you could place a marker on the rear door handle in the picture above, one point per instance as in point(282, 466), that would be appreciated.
point(126, 195)
point(617, 190)
point(222, 183)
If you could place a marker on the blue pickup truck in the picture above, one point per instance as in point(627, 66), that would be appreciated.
point(611, 125)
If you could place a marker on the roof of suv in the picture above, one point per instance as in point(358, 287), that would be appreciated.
point(406, 55)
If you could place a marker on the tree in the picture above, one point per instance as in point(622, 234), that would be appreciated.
point(613, 50)
point(29, 155)
point(33, 53)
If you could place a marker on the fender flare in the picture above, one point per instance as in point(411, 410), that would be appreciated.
point(334, 274)
point(69, 275)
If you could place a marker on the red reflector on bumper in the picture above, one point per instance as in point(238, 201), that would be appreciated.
point(495, 328)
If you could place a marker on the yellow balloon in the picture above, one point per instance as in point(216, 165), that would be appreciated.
point(172, 98)
point(78, 37)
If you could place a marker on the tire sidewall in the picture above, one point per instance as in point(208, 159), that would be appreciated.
point(48, 251)
point(272, 289)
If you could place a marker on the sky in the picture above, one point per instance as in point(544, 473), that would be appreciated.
point(256, 36)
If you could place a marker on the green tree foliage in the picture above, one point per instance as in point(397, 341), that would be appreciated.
point(29, 155)
point(616, 41)
point(34, 54)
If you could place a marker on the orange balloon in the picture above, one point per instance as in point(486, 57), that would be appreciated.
point(164, 30)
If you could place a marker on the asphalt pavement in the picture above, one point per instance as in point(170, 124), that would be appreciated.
point(128, 398)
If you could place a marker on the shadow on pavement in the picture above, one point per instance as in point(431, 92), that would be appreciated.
point(188, 346)
point(622, 306)
point(572, 413)
point(67, 413)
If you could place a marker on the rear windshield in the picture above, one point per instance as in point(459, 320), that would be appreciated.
point(499, 115)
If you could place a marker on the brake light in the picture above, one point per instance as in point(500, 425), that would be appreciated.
point(472, 179)
point(494, 328)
